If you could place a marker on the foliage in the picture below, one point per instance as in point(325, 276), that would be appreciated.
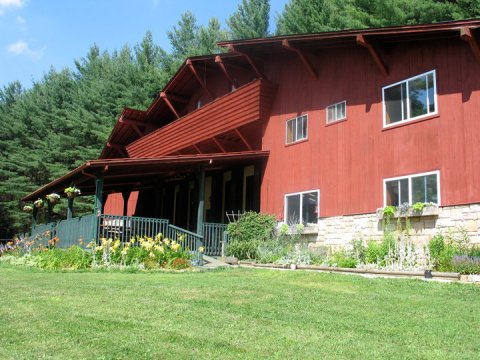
point(389, 211)
point(302, 16)
point(250, 20)
point(72, 191)
point(466, 264)
point(246, 234)
point(418, 207)
point(342, 259)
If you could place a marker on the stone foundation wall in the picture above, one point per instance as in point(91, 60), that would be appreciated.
point(339, 231)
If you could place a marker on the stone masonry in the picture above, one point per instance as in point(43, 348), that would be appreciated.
point(339, 231)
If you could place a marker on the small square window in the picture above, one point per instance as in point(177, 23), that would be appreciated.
point(302, 208)
point(337, 112)
point(297, 129)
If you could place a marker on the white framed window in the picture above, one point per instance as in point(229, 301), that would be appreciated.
point(410, 99)
point(411, 189)
point(337, 112)
point(302, 207)
point(297, 129)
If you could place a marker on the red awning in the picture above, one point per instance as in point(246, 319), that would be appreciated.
point(139, 173)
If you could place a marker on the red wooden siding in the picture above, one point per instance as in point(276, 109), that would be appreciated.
point(347, 161)
point(114, 204)
point(243, 106)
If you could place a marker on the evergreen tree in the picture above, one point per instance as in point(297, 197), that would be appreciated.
point(250, 20)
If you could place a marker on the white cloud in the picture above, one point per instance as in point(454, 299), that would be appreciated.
point(20, 20)
point(22, 48)
point(10, 4)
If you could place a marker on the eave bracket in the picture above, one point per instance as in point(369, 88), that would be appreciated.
point(301, 54)
point(362, 41)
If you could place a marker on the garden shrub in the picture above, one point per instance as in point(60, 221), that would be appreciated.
point(466, 264)
point(250, 231)
point(342, 259)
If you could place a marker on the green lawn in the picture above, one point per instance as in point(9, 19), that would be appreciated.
point(233, 314)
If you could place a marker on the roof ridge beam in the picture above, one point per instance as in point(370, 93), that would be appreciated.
point(372, 49)
point(466, 34)
point(219, 62)
point(165, 98)
point(301, 54)
point(197, 76)
point(233, 49)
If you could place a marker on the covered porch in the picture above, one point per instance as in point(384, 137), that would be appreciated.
point(182, 195)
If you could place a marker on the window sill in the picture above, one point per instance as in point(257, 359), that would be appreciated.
point(428, 211)
point(409, 122)
point(335, 122)
point(296, 142)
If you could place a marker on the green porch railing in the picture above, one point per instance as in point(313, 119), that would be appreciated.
point(126, 227)
point(213, 235)
point(76, 230)
point(190, 240)
point(43, 232)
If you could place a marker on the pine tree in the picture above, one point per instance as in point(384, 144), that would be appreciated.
point(250, 20)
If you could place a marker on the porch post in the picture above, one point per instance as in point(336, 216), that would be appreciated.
point(97, 207)
point(34, 217)
point(70, 208)
point(125, 196)
point(49, 211)
point(201, 201)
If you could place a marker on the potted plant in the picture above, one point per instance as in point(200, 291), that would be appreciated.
point(38, 203)
point(28, 208)
point(53, 198)
point(72, 191)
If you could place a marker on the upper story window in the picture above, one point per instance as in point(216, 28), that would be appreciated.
point(412, 189)
point(297, 129)
point(302, 207)
point(337, 112)
point(410, 99)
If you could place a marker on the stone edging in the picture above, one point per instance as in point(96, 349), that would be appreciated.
point(417, 274)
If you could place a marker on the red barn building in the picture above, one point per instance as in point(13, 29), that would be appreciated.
point(321, 129)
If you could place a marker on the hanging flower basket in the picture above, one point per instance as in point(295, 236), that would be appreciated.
point(72, 192)
point(28, 208)
point(38, 203)
point(53, 198)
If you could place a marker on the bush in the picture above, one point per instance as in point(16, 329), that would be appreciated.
point(343, 260)
point(250, 231)
point(376, 252)
point(466, 264)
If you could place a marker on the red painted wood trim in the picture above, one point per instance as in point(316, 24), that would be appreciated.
point(286, 44)
point(249, 59)
point(245, 142)
point(373, 53)
point(222, 149)
point(199, 79)
point(164, 96)
point(219, 62)
point(467, 35)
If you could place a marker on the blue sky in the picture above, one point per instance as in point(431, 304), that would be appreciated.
point(38, 34)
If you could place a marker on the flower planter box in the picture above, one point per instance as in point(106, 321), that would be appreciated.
point(431, 210)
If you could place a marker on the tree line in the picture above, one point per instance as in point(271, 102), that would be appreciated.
point(65, 118)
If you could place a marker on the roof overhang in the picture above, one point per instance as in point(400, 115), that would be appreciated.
point(134, 174)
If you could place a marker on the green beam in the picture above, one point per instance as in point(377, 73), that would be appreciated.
point(70, 208)
point(201, 201)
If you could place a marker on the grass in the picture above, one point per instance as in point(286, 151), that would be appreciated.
point(233, 314)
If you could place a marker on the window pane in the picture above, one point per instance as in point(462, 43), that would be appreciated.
point(394, 103)
point(393, 198)
point(403, 191)
point(431, 94)
point(293, 209)
point(418, 189)
point(331, 114)
point(341, 111)
point(310, 207)
point(290, 130)
point(304, 127)
point(417, 92)
point(431, 189)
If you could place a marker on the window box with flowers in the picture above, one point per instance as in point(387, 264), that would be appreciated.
point(53, 198)
point(72, 192)
point(38, 203)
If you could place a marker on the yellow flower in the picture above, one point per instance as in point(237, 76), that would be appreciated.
point(175, 247)
point(201, 249)
point(160, 248)
point(152, 254)
point(166, 241)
